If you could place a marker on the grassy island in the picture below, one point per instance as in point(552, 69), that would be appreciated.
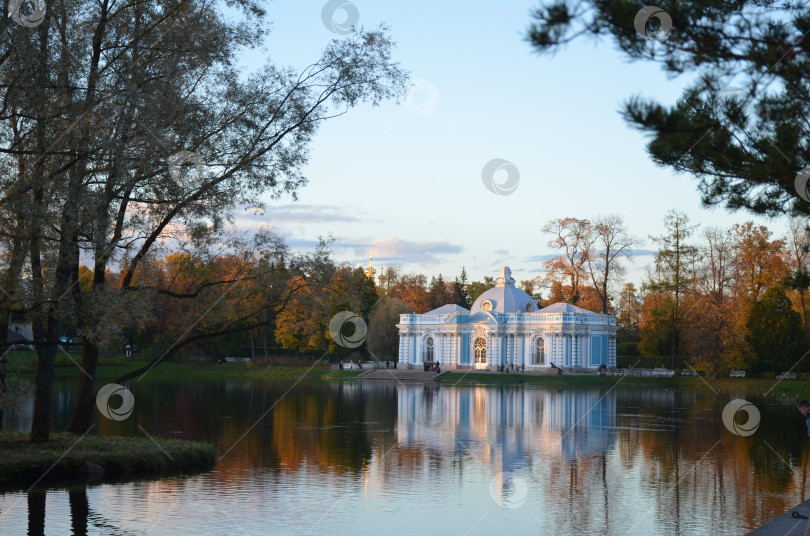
point(67, 459)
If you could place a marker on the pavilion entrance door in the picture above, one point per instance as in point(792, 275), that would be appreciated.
point(480, 352)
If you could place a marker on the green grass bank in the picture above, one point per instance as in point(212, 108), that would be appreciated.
point(67, 459)
point(23, 364)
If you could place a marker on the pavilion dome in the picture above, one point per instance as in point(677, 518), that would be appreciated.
point(504, 297)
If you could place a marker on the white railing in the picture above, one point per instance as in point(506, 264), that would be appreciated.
point(368, 365)
point(644, 373)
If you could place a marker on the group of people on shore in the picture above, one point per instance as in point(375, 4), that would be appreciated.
point(432, 366)
point(510, 368)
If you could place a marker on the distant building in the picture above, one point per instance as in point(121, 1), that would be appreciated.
point(20, 335)
point(505, 326)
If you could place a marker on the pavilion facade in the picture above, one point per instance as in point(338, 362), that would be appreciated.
point(505, 326)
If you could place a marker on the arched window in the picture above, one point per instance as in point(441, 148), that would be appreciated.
point(480, 350)
point(539, 357)
point(429, 349)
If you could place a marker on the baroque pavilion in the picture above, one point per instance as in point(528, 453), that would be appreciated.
point(504, 327)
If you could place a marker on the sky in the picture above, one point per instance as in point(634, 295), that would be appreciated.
point(403, 182)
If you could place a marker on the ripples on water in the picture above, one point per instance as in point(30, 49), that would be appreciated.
point(361, 458)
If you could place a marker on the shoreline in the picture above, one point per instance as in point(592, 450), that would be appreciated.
point(67, 459)
point(108, 371)
point(752, 385)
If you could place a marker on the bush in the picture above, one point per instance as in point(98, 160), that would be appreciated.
point(627, 349)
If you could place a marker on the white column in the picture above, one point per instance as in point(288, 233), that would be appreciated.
point(586, 349)
point(401, 347)
point(555, 349)
point(404, 356)
point(611, 350)
point(508, 352)
point(442, 351)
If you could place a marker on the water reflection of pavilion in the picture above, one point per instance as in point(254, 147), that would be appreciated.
point(508, 426)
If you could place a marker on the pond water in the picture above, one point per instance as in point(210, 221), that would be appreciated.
point(359, 457)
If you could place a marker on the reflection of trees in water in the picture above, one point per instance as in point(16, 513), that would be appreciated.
point(36, 513)
point(81, 515)
point(579, 450)
point(79, 510)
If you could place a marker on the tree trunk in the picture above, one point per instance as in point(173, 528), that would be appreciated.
point(44, 327)
point(675, 337)
point(265, 330)
point(85, 393)
point(40, 426)
point(3, 359)
point(3, 362)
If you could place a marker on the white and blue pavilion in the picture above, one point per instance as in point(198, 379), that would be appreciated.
point(505, 326)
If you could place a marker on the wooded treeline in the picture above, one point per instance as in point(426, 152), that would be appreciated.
point(126, 130)
point(714, 299)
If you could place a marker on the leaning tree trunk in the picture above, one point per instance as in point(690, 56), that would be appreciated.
point(85, 393)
